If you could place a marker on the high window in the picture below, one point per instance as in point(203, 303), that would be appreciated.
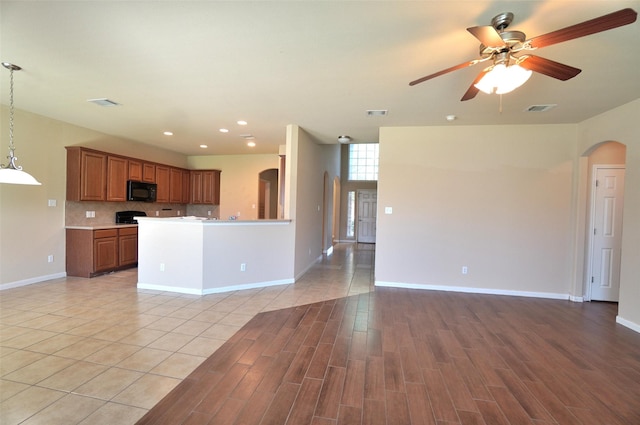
point(363, 161)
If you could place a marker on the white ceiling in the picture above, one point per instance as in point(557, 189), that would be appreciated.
point(193, 67)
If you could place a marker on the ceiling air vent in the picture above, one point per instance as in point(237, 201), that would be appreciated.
point(376, 112)
point(103, 102)
point(540, 108)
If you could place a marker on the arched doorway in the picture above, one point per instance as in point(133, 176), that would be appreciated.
point(605, 200)
point(268, 194)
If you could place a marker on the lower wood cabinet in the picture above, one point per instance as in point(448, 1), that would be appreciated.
point(94, 252)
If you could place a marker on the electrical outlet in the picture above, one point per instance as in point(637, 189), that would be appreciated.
point(465, 270)
point(51, 202)
point(157, 213)
point(90, 214)
point(243, 267)
point(50, 258)
point(161, 267)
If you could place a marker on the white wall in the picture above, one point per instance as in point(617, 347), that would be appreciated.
point(496, 199)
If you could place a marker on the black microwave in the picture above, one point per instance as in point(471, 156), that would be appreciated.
point(140, 191)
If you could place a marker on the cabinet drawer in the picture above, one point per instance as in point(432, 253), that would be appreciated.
point(128, 231)
point(105, 233)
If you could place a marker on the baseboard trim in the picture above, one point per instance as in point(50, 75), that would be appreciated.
point(628, 323)
point(207, 291)
point(576, 299)
point(488, 291)
point(32, 280)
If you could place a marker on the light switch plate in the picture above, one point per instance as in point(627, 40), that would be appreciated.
point(388, 210)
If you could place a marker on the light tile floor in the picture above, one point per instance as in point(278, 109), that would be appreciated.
point(100, 351)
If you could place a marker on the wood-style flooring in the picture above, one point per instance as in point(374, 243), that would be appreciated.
point(400, 356)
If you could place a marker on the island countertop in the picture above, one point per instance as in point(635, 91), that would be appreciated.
point(100, 226)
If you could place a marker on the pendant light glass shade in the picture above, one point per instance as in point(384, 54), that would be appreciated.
point(13, 176)
point(12, 173)
point(503, 79)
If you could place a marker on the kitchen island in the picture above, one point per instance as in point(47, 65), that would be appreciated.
point(197, 256)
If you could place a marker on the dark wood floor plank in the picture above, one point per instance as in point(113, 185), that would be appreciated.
point(374, 412)
point(305, 403)
point(280, 407)
point(419, 405)
point(441, 403)
point(349, 415)
point(374, 379)
point(320, 361)
point(216, 397)
point(491, 413)
point(510, 407)
point(331, 393)
point(519, 391)
point(250, 381)
point(397, 408)
point(458, 390)
point(299, 365)
point(254, 409)
point(393, 378)
point(352, 394)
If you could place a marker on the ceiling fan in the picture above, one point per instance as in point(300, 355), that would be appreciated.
point(502, 48)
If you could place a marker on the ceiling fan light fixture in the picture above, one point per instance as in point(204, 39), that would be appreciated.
point(503, 79)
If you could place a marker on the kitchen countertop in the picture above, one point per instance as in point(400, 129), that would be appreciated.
point(101, 226)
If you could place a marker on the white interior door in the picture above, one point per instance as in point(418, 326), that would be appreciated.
point(367, 206)
point(606, 232)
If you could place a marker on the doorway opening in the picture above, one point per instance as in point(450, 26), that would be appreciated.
point(268, 194)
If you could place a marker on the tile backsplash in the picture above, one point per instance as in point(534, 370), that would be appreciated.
point(105, 212)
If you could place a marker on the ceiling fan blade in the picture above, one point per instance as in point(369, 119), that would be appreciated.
point(487, 36)
point(444, 71)
point(548, 67)
point(472, 91)
point(603, 23)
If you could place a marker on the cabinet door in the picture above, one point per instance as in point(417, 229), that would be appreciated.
point(211, 187)
point(175, 185)
point(163, 180)
point(186, 186)
point(135, 170)
point(116, 178)
point(105, 252)
point(128, 246)
point(148, 172)
point(93, 176)
point(196, 187)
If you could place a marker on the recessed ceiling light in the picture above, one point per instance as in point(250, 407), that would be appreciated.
point(103, 102)
point(377, 112)
point(242, 122)
point(251, 144)
point(204, 146)
point(168, 133)
point(451, 117)
point(224, 130)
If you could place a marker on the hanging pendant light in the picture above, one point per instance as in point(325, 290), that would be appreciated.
point(12, 173)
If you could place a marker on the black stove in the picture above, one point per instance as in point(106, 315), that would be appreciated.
point(127, 217)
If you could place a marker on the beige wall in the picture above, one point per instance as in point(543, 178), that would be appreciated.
point(239, 181)
point(621, 125)
point(496, 199)
point(307, 163)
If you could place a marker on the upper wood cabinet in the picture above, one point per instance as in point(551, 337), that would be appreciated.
point(205, 187)
point(186, 186)
point(149, 172)
point(86, 175)
point(163, 180)
point(175, 185)
point(135, 170)
point(117, 174)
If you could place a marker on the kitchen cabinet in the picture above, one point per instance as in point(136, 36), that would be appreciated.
point(163, 180)
point(86, 175)
point(205, 187)
point(148, 172)
point(186, 186)
point(135, 170)
point(117, 173)
point(127, 246)
point(175, 185)
point(93, 252)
